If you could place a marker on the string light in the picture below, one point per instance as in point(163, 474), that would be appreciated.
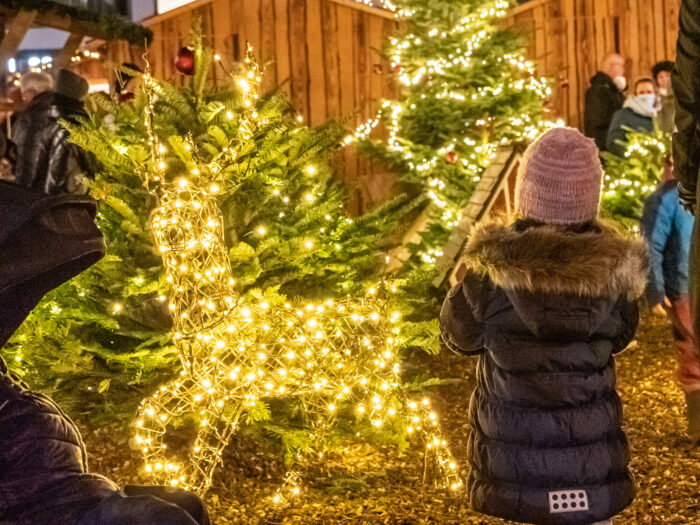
point(335, 354)
point(428, 79)
point(631, 178)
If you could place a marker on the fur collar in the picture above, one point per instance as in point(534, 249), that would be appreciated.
point(550, 260)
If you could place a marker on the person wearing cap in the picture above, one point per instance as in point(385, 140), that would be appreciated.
point(546, 303)
point(46, 160)
point(665, 103)
point(44, 479)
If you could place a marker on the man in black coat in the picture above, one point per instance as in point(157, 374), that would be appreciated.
point(686, 157)
point(46, 160)
point(603, 98)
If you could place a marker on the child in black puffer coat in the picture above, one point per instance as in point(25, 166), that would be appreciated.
point(546, 304)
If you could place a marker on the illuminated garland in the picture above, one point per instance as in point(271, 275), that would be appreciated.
point(335, 355)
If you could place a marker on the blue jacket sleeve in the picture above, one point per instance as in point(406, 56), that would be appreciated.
point(461, 317)
point(657, 224)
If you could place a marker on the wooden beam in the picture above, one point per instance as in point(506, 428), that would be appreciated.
point(17, 27)
point(62, 58)
point(514, 11)
point(16, 20)
point(357, 6)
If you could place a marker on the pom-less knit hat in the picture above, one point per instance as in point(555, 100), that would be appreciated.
point(560, 178)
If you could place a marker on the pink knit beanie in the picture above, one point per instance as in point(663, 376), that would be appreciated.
point(560, 178)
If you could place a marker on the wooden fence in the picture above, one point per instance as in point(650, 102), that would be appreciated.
point(325, 53)
point(569, 39)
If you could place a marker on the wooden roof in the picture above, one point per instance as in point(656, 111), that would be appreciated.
point(101, 25)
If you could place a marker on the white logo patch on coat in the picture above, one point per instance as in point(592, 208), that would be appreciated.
point(575, 500)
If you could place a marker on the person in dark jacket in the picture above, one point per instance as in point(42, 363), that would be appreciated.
point(603, 98)
point(44, 478)
point(546, 303)
point(46, 160)
point(665, 101)
point(668, 229)
point(686, 143)
point(637, 114)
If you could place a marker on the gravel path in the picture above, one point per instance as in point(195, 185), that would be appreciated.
point(360, 485)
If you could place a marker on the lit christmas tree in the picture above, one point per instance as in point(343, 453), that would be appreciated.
point(466, 90)
point(630, 179)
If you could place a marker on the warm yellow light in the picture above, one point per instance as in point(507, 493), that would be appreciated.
point(234, 354)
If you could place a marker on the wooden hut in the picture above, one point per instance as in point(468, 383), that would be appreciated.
point(325, 53)
point(569, 39)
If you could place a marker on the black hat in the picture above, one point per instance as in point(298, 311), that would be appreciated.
point(71, 84)
point(664, 65)
point(45, 240)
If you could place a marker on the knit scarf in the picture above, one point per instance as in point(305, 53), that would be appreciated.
point(643, 105)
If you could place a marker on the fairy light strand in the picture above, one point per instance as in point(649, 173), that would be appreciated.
point(234, 353)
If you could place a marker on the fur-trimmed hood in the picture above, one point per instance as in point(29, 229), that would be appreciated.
point(551, 260)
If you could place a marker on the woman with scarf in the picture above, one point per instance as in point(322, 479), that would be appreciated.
point(637, 114)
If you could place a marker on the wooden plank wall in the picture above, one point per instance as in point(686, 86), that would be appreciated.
point(569, 39)
point(324, 53)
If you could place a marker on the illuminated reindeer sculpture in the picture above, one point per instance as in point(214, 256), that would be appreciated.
point(234, 354)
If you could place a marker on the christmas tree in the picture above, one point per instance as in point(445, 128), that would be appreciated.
point(240, 342)
point(630, 179)
point(466, 90)
point(94, 340)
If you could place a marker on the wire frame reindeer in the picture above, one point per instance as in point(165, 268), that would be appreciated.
point(331, 354)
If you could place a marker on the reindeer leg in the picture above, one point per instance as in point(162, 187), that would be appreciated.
point(167, 408)
point(155, 415)
point(319, 420)
point(422, 420)
point(212, 439)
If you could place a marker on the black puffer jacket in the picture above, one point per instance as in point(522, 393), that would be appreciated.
point(44, 241)
point(603, 99)
point(46, 161)
point(43, 462)
point(546, 309)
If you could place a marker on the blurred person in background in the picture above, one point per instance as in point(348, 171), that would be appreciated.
point(637, 113)
point(665, 102)
point(47, 161)
point(603, 98)
point(686, 153)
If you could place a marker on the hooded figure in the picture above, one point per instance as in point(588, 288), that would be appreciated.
point(44, 479)
point(546, 304)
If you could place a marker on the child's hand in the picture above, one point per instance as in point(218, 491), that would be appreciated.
point(658, 310)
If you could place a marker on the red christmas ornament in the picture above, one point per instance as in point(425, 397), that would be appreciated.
point(397, 68)
point(184, 62)
point(451, 157)
point(127, 96)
